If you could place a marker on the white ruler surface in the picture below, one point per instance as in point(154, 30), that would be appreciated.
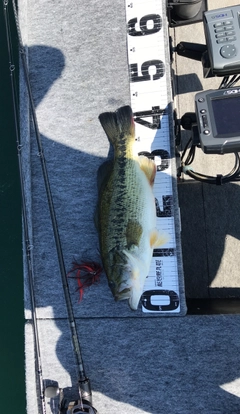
point(149, 88)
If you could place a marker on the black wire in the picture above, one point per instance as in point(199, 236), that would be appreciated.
point(186, 147)
point(224, 82)
point(233, 175)
point(234, 81)
point(191, 153)
point(228, 83)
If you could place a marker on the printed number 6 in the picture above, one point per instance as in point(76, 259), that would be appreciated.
point(144, 30)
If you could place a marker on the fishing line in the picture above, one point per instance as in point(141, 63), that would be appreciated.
point(85, 394)
point(28, 246)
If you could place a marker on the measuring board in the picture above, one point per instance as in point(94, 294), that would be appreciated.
point(150, 89)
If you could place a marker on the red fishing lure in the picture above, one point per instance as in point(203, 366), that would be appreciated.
point(87, 274)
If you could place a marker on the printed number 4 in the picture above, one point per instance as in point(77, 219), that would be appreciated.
point(155, 113)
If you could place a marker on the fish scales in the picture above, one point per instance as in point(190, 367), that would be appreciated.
point(121, 203)
point(126, 210)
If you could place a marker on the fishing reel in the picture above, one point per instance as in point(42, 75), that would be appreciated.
point(69, 404)
point(76, 407)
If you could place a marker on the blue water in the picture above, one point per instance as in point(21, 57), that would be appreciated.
point(12, 376)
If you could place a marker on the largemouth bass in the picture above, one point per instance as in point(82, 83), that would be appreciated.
point(126, 210)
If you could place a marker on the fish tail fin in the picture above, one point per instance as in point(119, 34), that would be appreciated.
point(125, 121)
point(118, 124)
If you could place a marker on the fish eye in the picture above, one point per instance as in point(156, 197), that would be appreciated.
point(112, 285)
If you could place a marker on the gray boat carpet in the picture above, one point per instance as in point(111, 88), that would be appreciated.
point(78, 68)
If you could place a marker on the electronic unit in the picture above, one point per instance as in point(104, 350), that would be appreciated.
point(218, 120)
point(222, 32)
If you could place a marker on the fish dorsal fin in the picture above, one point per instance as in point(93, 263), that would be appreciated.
point(149, 168)
point(103, 174)
point(158, 239)
point(133, 233)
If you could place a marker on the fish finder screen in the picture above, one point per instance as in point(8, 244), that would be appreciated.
point(226, 113)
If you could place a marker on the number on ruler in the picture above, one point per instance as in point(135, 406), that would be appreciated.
point(133, 69)
point(165, 252)
point(167, 206)
point(155, 113)
point(165, 158)
point(149, 294)
point(144, 29)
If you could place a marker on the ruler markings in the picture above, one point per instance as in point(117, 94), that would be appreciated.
point(149, 96)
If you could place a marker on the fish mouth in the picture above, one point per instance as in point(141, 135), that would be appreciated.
point(121, 292)
point(123, 278)
point(124, 292)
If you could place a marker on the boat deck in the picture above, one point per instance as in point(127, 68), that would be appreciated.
point(78, 69)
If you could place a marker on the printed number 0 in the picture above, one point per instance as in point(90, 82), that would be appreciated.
point(149, 294)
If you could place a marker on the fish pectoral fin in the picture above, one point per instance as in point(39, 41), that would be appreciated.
point(149, 168)
point(133, 233)
point(157, 239)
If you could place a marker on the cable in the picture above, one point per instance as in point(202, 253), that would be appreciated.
point(233, 81)
point(191, 153)
point(228, 83)
point(224, 82)
point(233, 175)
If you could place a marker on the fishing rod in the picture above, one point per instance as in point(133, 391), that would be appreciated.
point(28, 246)
point(83, 401)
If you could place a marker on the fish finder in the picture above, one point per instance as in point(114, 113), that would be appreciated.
point(218, 120)
point(222, 32)
point(220, 56)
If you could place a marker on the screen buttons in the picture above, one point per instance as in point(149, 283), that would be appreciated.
point(228, 51)
point(204, 121)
